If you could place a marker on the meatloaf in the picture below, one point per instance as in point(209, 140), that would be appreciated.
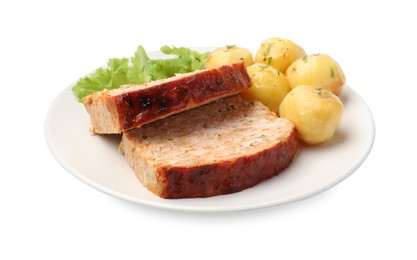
point(219, 148)
point(118, 110)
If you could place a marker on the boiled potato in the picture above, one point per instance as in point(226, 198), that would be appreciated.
point(227, 55)
point(318, 70)
point(269, 86)
point(315, 112)
point(279, 53)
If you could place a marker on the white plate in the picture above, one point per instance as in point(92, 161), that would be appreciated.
point(95, 159)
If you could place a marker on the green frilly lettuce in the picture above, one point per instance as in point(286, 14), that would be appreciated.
point(139, 69)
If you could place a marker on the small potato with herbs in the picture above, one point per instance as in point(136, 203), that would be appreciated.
point(317, 70)
point(315, 112)
point(279, 53)
point(269, 86)
point(228, 54)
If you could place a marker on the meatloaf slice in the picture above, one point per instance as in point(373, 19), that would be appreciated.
point(117, 110)
point(222, 147)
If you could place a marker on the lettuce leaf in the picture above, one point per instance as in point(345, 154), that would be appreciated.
point(141, 69)
point(139, 72)
point(187, 61)
point(103, 78)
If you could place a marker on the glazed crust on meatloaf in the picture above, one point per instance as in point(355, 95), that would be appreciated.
point(219, 148)
point(118, 110)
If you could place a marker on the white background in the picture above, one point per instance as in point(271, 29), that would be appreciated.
point(46, 213)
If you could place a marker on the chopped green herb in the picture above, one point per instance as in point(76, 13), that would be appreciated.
point(269, 60)
point(263, 66)
point(332, 72)
point(278, 72)
point(241, 58)
point(305, 59)
point(228, 47)
point(268, 47)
